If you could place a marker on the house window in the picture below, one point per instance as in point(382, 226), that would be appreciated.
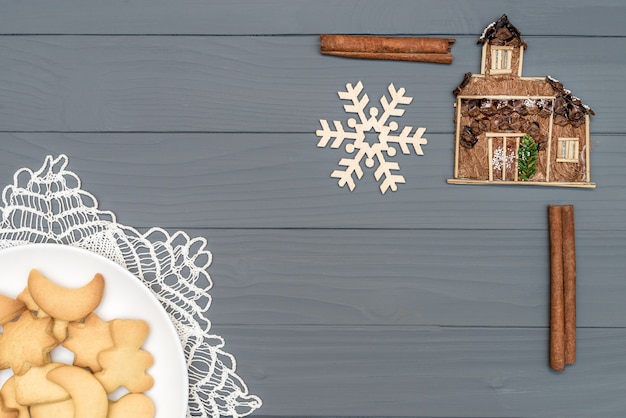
point(501, 59)
point(567, 151)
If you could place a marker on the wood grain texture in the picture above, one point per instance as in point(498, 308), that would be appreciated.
point(428, 302)
point(259, 84)
point(427, 371)
point(283, 181)
point(235, 17)
point(407, 277)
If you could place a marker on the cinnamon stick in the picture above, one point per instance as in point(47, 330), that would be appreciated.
point(562, 286)
point(557, 301)
point(435, 50)
point(569, 282)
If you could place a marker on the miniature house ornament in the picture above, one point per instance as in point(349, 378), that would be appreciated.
point(511, 129)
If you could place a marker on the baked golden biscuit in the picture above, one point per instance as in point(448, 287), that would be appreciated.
point(125, 364)
point(87, 394)
point(107, 355)
point(87, 339)
point(10, 309)
point(6, 412)
point(26, 342)
point(33, 387)
point(31, 305)
point(59, 329)
point(135, 405)
point(62, 409)
point(8, 396)
point(69, 304)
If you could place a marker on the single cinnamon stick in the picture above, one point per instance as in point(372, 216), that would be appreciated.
point(569, 282)
point(557, 302)
point(435, 50)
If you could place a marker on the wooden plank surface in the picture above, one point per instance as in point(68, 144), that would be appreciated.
point(407, 277)
point(428, 371)
point(259, 84)
point(283, 181)
point(428, 302)
point(293, 17)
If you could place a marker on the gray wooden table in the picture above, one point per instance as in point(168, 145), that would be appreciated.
point(430, 301)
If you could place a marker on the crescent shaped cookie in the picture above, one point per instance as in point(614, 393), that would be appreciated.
point(62, 409)
point(88, 396)
point(69, 304)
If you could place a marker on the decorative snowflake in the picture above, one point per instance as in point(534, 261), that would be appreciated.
point(377, 152)
point(500, 160)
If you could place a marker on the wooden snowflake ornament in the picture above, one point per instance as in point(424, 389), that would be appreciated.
point(388, 139)
point(511, 129)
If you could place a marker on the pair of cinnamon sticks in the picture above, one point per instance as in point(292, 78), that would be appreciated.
point(562, 286)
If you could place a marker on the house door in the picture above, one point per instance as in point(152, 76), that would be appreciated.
point(503, 151)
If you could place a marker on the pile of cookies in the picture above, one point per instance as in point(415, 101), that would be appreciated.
point(108, 356)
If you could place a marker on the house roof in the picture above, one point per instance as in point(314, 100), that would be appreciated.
point(479, 85)
point(570, 101)
point(501, 31)
point(568, 106)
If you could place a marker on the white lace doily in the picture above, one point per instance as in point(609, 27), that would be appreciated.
point(49, 206)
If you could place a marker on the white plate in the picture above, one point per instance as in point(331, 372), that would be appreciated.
point(125, 296)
